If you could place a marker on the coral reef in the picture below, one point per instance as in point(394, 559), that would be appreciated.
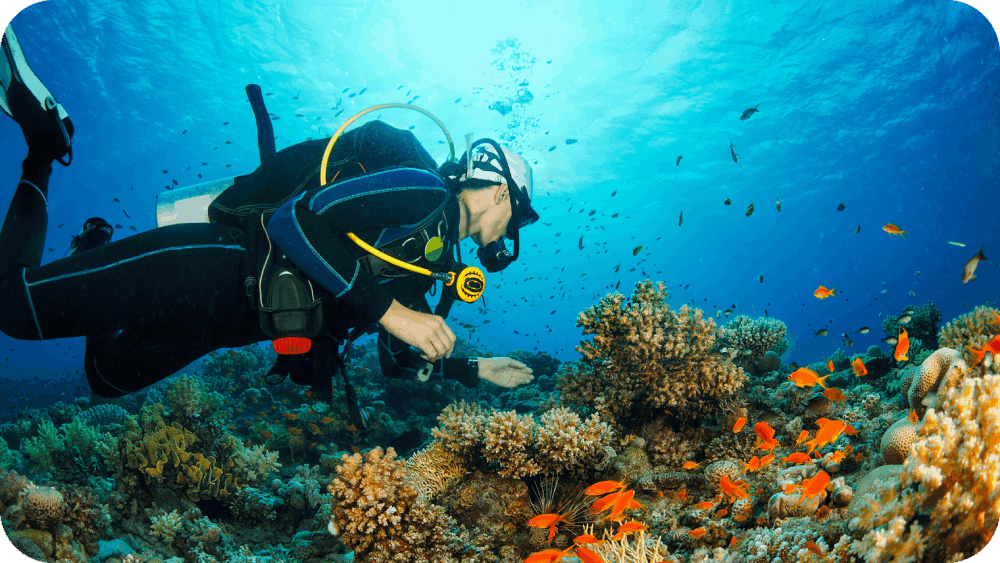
point(923, 326)
point(971, 329)
point(432, 469)
point(941, 506)
point(751, 339)
point(644, 357)
point(375, 513)
point(517, 446)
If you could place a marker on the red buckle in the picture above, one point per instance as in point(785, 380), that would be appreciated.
point(292, 345)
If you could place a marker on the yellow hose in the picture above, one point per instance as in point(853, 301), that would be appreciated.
point(447, 277)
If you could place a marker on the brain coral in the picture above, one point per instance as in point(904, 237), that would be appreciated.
point(645, 356)
point(942, 364)
point(42, 506)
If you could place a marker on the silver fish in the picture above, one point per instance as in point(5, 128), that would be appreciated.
point(904, 319)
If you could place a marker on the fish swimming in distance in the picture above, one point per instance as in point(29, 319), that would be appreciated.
point(968, 272)
point(731, 151)
point(750, 209)
point(956, 243)
point(748, 112)
point(728, 201)
point(841, 207)
point(679, 159)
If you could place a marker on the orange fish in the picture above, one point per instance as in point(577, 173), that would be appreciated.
point(850, 431)
point(803, 436)
point(732, 542)
point(829, 365)
point(721, 513)
point(797, 457)
point(691, 465)
point(894, 230)
point(838, 456)
point(996, 316)
point(585, 539)
point(751, 465)
point(683, 495)
point(704, 505)
point(733, 490)
point(587, 556)
point(620, 505)
point(859, 367)
point(822, 292)
point(978, 355)
point(902, 346)
point(766, 460)
point(834, 395)
point(814, 486)
point(739, 424)
point(327, 420)
point(768, 445)
point(814, 548)
point(601, 504)
point(266, 434)
point(827, 434)
point(991, 347)
point(547, 520)
point(697, 533)
point(603, 487)
point(632, 526)
point(805, 377)
point(548, 555)
point(763, 430)
point(352, 428)
point(913, 416)
point(315, 429)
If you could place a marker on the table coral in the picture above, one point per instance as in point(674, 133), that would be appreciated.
point(644, 357)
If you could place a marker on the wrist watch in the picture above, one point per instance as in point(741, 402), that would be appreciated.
point(474, 367)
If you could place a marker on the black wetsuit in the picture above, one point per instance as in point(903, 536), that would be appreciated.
point(178, 292)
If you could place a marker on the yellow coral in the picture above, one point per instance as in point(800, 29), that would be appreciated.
point(432, 469)
point(971, 329)
point(643, 353)
point(42, 506)
point(942, 506)
point(507, 438)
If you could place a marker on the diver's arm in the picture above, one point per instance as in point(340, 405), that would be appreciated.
point(400, 361)
point(311, 229)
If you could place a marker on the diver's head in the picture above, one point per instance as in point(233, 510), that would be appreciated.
point(495, 187)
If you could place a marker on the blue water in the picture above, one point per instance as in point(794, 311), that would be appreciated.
point(888, 108)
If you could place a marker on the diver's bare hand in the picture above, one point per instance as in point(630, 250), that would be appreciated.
point(505, 372)
point(428, 332)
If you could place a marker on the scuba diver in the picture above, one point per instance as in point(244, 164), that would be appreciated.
point(312, 249)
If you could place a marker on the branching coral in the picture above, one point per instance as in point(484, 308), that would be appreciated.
point(942, 506)
point(751, 339)
point(645, 356)
point(381, 518)
point(971, 329)
point(518, 446)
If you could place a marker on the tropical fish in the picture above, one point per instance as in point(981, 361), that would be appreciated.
point(748, 112)
point(750, 209)
point(763, 430)
point(548, 556)
point(821, 332)
point(822, 292)
point(733, 490)
point(731, 151)
point(705, 505)
point(636, 251)
point(760, 278)
point(956, 243)
point(970, 267)
point(601, 504)
point(902, 347)
point(587, 556)
point(863, 330)
point(691, 465)
point(681, 220)
point(834, 395)
point(698, 532)
point(766, 460)
point(827, 434)
point(904, 319)
point(859, 367)
point(585, 539)
point(739, 424)
point(603, 487)
point(797, 457)
point(814, 548)
point(890, 340)
point(546, 520)
point(813, 487)
point(803, 436)
point(848, 342)
point(679, 160)
point(829, 366)
point(894, 230)
point(841, 207)
point(632, 526)
point(779, 203)
point(805, 377)
point(751, 465)
point(991, 347)
point(728, 201)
